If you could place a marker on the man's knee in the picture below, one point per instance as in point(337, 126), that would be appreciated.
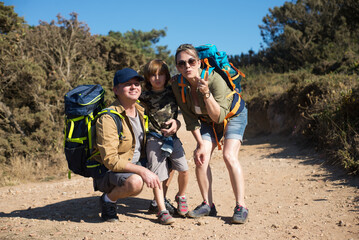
point(134, 184)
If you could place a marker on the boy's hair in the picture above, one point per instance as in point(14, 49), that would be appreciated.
point(152, 67)
point(187, 48)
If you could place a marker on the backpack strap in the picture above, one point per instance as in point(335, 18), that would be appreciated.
point(236, 107)
point(207, 69)
point(230, 78)
point(117, 117)
point(182, 85)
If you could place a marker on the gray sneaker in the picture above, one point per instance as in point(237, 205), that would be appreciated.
point(203, 210)
point(240, 214)
point(165, 218)
point(182, 208)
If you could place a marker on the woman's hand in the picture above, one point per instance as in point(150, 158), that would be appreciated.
point(174, 126)
point(202, 85)
point(199, 155)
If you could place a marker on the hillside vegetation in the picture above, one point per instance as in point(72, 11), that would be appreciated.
point(303, 83)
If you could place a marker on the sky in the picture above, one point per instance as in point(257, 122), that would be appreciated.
point(232, 25)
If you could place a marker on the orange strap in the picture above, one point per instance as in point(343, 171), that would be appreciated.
point(183, 85)
point(242, 74)
point(230, 78)
point(236, 107)
point(207, 69)
point(214, 131)
point(215, 135)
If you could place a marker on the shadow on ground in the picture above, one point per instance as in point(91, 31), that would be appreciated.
point(81, 209)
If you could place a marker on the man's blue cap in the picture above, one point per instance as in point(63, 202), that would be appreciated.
point(125, 75)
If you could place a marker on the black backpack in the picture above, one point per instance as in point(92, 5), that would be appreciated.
point(83, 105)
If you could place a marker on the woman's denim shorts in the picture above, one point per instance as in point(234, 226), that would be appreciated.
point(235, 128)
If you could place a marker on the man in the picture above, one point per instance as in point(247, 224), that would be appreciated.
point(126, 175)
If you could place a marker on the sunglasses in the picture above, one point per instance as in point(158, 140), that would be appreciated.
point(190, 61)
point(129, 84)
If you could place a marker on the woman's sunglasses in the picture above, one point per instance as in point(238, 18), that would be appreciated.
point(190, 61)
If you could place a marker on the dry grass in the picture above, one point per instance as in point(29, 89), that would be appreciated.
point(324, 109)
point(28, 169)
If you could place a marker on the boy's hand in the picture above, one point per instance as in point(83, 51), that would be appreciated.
point(174, 126)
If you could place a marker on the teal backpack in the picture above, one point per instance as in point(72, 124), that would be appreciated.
point(83, 106)
point(233, 76)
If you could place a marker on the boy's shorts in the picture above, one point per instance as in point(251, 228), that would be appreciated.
point(157, 162)
point(235, 128)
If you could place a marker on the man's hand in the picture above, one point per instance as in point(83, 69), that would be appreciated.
point(151, 179)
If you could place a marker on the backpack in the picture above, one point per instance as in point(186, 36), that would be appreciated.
point(219, 61)
point(83, 106)
point(213, 60)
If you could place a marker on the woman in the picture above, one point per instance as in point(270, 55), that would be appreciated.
point(204, 106)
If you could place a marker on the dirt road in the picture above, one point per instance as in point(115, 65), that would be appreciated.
point(289, 192)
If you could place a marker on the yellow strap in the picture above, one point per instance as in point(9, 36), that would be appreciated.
point(233, 92)
point(94, 154)
point(89, 132)
point(117, 113)
point(71, 131)
point(235, 109)
point(96, 99)
point(145, 117)
point(77, 119)
point(93, 166)
point(77, 140)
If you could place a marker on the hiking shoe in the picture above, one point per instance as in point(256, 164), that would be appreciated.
point(240, 214)
point(182, 208)
point(153, 208)
point(108, 210)
point(170, 208)
point(203, 210)
point(165, 218)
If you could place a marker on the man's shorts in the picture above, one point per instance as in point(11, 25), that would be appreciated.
point(157, 161)
point(110, 180)
point(235, 128)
